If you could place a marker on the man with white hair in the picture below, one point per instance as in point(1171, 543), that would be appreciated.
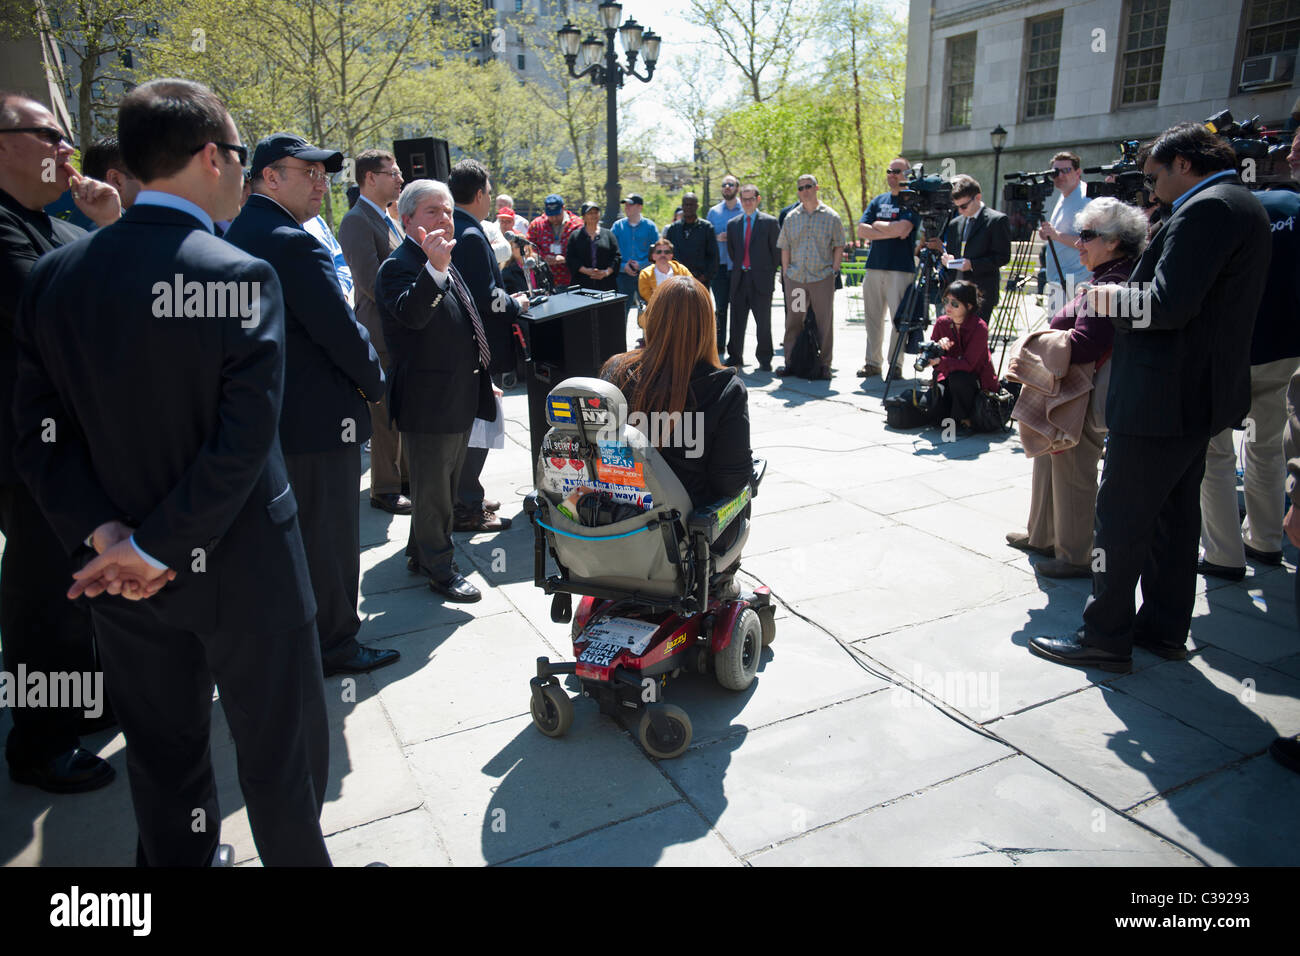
point(439, 382)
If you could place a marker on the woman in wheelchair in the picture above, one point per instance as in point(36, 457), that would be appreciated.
point(677, 371)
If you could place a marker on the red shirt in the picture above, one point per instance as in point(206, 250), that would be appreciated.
point(970, 350)
point(548, 243)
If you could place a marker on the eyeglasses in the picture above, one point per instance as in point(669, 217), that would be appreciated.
point(744, 198)
point(1087, 235)
point(47, 133)
point(1055, 171)
point(312, 173)
point(241, 152)
point(895, 172)
point(962, 205)
point(807, 186)
point(395, 172)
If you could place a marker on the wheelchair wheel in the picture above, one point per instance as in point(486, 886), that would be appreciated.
point(558, 718)
point(679, 732)
point(737, 664)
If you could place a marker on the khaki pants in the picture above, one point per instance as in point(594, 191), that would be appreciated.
point(820, 297)
point(882, 290)
point(1222, 530)
point(1063, 498)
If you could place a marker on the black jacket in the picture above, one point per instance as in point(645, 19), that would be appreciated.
point(987, 246)
point(1182, 356)
point(695, 245)
point(164, 421)
point(477, 265)
point(578, 253)
point(331, 369)
point(764, 256)
point(436, 385)
point(25, 236)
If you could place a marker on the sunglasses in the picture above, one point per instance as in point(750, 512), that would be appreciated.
point(662, 252)
point(962, 205)
point(1054, 172)
point(1087, 235)
point(954, 302)
point(807, 186)
point(47, 133)
point(895, 172)
point(241, 152)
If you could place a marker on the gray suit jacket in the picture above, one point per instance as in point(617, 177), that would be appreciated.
point(367, 242)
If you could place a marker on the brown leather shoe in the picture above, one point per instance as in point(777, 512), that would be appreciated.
point(1020, 541)
point(492, 506)
point(485, 521)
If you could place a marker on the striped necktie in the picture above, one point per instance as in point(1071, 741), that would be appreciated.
point(484, 356)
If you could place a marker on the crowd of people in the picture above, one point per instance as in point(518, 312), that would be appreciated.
point(225, 533)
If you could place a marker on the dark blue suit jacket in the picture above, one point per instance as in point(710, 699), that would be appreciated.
point(764, 256)
point(331, 369)
point(435, 385)
point(165, 421)
point(477, 265)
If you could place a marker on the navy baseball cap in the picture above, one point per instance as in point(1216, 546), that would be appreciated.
point(635, 198)
point(279, 145)
point(554, 204)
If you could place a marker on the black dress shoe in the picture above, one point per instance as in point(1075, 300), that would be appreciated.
point(1069, 650)
point(782, 371)
point(456, 589)
point(1263, 557)
point(394, 504)
point(73, 771)
point(413, 566)
point(365, 659)
point(1170, 652)
point(734, 363)
point(765, 366)
point(1219, 571)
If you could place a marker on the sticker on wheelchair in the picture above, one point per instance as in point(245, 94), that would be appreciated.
point(619, 633)
point(618, 467)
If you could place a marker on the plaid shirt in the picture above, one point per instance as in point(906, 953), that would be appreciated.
point(812, 238)
point(543, 237)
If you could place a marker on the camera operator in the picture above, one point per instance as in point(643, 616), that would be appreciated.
point(1059, 228)
point(1274, 353)
point(978, 242)
point(1180, 375)
point(889, 264)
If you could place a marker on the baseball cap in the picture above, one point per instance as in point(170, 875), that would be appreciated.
point(279, 145)
point(554, 204)
point(634, 198)
point(505, 211)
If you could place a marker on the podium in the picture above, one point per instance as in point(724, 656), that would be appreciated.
point(570, 334)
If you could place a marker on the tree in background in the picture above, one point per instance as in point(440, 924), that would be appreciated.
point(761, 38)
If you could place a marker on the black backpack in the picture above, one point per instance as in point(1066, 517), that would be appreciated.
point(805, 358)
point(914, 407)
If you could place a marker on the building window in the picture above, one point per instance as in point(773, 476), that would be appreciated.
point(961, 80)
point(519, 6)
point(519, 60)
point(128, 62)
point(1272, 26)
point(489, 4)
point(1144, 51)
point(1044, 46)
point(519, 38)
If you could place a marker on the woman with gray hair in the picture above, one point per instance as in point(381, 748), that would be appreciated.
point(1063, 499)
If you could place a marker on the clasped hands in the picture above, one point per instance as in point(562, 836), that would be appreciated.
point(119, 568)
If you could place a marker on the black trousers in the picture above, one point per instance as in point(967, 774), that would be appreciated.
point(957, 395)
point(469, 490)
point(326, 485)
point(161, 681)
point(754, 296)
point(721, 286)
point(1148, 526)
point(436, 462)
point(40, 628)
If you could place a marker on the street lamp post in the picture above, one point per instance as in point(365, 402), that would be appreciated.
point(999, 137)
point(609, 74)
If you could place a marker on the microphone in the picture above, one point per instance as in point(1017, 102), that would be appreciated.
point(530, 263)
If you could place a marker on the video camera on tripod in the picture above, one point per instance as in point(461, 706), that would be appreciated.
point(1128, 184)
point(1261, 153)
point(930, 197)
point(1023, 195)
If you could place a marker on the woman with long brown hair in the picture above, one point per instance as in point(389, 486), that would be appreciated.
point(677, 371)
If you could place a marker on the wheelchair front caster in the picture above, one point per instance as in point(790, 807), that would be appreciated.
point(562, 608)
point(556, 716)
point(672, 735)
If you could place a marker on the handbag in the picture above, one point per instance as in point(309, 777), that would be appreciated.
point(806, 356)
point(993, 410)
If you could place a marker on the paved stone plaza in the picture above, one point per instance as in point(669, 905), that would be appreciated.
point(897, 719)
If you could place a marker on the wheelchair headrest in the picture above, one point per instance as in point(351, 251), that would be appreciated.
point(595, 403)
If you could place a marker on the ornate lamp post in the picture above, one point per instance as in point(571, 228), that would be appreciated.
point(999, 137)
point(583, 58)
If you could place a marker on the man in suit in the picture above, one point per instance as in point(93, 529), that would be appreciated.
point(331, 372)
point(978, 243)
point(42, 632)
point(368, 237)
point(1180, 374)
point(164, 390)
point(440, 380)
point(478, 267)
point(751, 249)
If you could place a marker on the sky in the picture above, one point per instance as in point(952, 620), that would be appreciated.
point(643, 116)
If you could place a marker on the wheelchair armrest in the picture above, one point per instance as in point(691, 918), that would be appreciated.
point(712, 519)
point(531, 502)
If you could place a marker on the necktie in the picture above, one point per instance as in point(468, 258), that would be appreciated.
point(745, 264)
point(484, 356)
point(393, 228)
point(965, 231)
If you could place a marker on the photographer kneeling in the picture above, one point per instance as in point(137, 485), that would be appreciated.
point(965, 366)
point(1063, 500)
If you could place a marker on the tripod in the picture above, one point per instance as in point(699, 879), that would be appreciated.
point(913, 313)
point(1002, 323)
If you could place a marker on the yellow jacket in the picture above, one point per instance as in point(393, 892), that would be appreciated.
point(645, 283)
